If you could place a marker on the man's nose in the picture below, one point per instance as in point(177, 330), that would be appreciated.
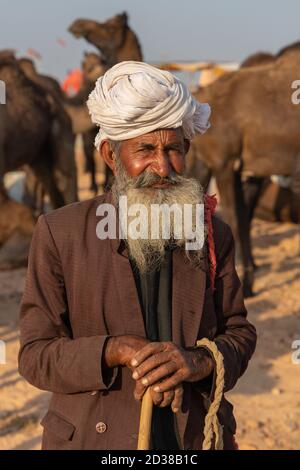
point(161, 165)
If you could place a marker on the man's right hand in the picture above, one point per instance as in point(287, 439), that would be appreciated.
point(120, 350)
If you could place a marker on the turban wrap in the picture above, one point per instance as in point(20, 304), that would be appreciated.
point(134, 98)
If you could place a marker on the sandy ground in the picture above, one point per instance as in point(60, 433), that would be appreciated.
point(266, 399)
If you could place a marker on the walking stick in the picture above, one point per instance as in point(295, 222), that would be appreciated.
point(213, 431)
point(145, 422)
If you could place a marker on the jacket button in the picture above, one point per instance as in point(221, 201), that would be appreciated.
point(101, 427)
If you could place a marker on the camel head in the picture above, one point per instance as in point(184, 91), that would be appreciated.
point(9, 66)
point(81, 28)
point(27, 66)
point(107, 37)
point(7, 56)
point(93, 66)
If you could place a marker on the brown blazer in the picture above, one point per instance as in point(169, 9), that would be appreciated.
point(79, 291)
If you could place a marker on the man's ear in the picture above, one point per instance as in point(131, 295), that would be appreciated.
point(108, 156)
point(187, 145)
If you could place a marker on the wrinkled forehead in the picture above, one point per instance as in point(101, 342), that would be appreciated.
point(159, 135)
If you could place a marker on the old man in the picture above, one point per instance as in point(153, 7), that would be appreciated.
point(103, 318)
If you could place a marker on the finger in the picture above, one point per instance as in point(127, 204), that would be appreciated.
point(167, 398)
point(139, 390)
point(161, 372)
point(156, 397)
point(169, 383)
point(145, 352)
point(151, 363)
point(178, 398)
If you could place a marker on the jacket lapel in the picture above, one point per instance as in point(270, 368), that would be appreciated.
point(133, 321)
point(189, 285)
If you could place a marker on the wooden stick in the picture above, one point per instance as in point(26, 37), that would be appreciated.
point(145, 422)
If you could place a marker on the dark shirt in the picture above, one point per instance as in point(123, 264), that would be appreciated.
point(155, 295)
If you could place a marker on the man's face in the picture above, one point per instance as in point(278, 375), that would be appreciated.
point(149, 171)
point(161, 152)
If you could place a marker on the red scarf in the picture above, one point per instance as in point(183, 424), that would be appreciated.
point(210, 203)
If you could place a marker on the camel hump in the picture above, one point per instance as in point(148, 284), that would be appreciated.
point(7, 56)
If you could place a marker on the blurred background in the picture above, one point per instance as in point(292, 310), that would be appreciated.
point(243, 58)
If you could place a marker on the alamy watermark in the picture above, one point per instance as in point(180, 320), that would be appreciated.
point(296, 353)
point(2, 92)
point(2, 352)
point(295, 98)
point(188, 222)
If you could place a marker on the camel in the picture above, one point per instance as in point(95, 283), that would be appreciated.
point(76, 109)
point(36, 131)
point(258, 58)
point(264, 197)
point(114, 38)
point(16, 228)
point(262, 58)
point(50, 84)
point(116, 42)
point(277, 203)
point(93, 66)
point(253, 120)
point(253, 186)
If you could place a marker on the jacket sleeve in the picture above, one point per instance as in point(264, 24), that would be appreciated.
point(236, 337)
point(49, 358)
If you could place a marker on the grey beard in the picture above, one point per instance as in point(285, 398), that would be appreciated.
point(148, 254)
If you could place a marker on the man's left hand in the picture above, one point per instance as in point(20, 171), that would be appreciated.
point(165, 365)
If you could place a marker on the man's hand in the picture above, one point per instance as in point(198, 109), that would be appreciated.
point(164, 366)
point(172, 397)
point(120, 350)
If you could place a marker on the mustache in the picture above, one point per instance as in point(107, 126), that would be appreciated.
point(147, 178)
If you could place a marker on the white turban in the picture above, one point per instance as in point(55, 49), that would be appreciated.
point(134, 98)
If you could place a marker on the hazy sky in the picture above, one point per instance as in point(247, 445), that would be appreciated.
point(167, 29)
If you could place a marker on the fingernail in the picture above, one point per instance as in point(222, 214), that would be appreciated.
point(134, 362)
point(156, 389)
point(135, 375)
point(145, 382)
point(175, 410)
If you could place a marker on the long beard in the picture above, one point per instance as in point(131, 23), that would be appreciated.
point(148, 253)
